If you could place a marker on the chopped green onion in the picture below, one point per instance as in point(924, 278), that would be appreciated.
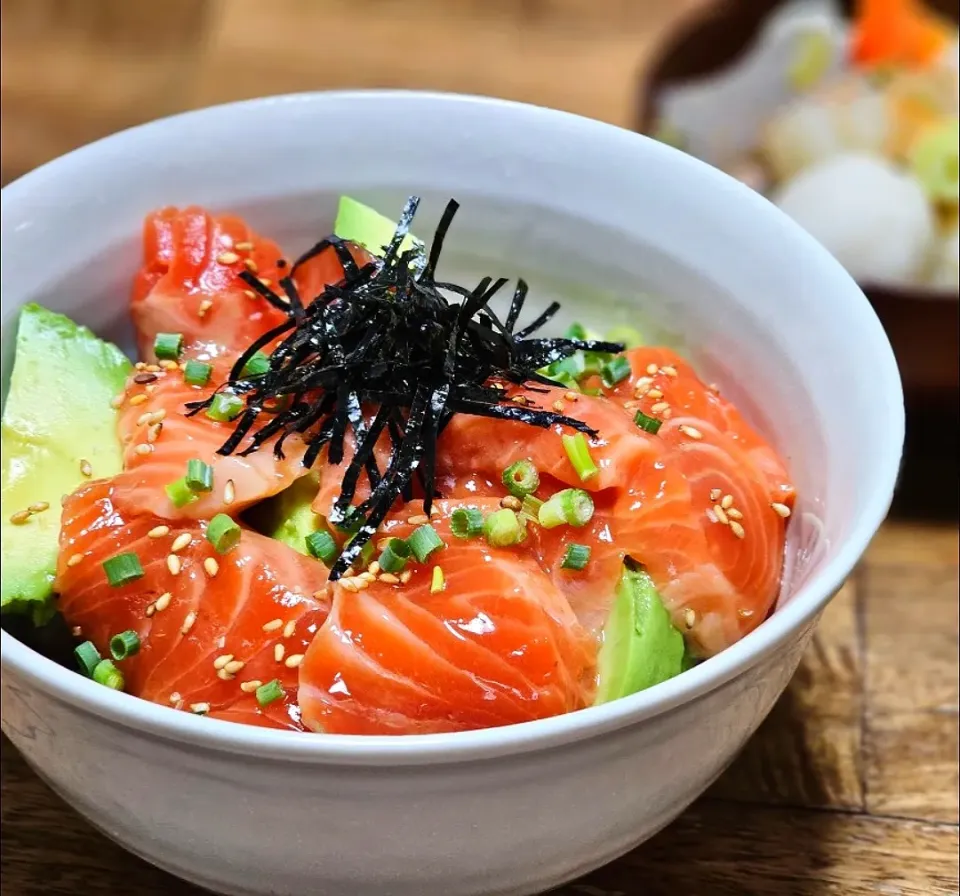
point(223, 533)
point(258, 365)
point(322, 546)
point(179, 493)
point(122, 569)
point(108, 675)
point(530, 509)
point(573, 366)
point(124, 645)
point(197, 373)
point(594, 361)
point(423, 541)
point(199, 476)
point(225, 407)
point(576, 331)
point(437, 582)
point(466, 522)
point(168, 346)
point(629, 336)
point(572, 506)
point(579, 453)
point(394, 556)
point(650, 424)
point(504, 528)
point(269, 693)
point(87, 657)
point(366, 553)
point(575, 556)
point(616, 370)
point(521, 478)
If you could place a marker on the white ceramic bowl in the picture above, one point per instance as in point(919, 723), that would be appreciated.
point(600, 211)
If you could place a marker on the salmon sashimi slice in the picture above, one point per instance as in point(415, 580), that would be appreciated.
point(663, 385)
point(314, 274)
point(497, 645)
point(160, 439)
point(189, 281)
point(207, 632)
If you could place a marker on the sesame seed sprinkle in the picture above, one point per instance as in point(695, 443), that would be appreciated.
point(509, 502)
point(659, 407)
point(180, 542)
point(559, 406)
point(389, 578)
point(175, 698)
point(571, 396)
point(244, 246)
point(228, 258)
point(85, 468)
point(138, 399)
point(690, 431)
point(734, 514)
point(294, 660)
point(278, 651)
point(721, 515)
point(272, 625)
point(222, 660)
point(374, 568)
point(211, 567)
point(727, 502)
point(188, 622)
point(39, 506)
point(200, 709)
point(250, 294)
point(669, 371)
point(265, 281)
point(151, 609)
point(158, 532)
point(654, 393)
point(689, 617)
point(781, 509)
point(251, 265)
point(224, 675)
point(737, 529)
point(652, 369)
point(291, 627)
point(163, 601)
point(153, 433)
point(248, 687)
point(405, 576)
point(154, 368)
point(144, 448)
point(229, 492)
point(234, 666)
point(173, 564)
point(418, 520)
point(349, 585)
point(204, 307)
point(75, 559)
point(715, 494)
point(20, 517)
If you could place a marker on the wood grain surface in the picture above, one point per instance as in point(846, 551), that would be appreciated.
point(851, 785)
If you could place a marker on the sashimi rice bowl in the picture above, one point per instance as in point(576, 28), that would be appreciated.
point(419, 493)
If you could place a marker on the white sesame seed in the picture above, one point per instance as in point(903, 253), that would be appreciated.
point(727, 502)
point(224, 675)
point(180, 542)
point(689, 617)
point(140, 365)
point(348, 585)
point(245, 246)
point(229, 492)
point(652, 369)
point(294, 660)
point(248, 687)
point(365, 576)
point(228, 258)
point(138, 399)
point(272, 625)
point(374, 567)
point(559, 406)
point(669, 371)
point(173, 564)
point(405, 576)
point(144, 418)
point(150, 610)
point(85, 468)
point(654, 393)
point(153, 433)
point(251, 266)
point(509, 502)
point(691, 431)
point(39, 506)
point(20, 517)
point(571, 396)
point(157, 416)
point(349, 572)
point(322, 594)
point(158, 532)
point(250, 294)
point(659, 407)
point(715, 494)
point(737, 529)
point(389, 578)
point(168, 364)
point(222, 660)
point(418, 520)
point(234, 666)
point(200, 708)
point(734, 514)
point(154, 368)
point(290, 628)
point(781, 509)
point(75, 559)
point(163, 601)
point(266, 281)
point(278, 651)
point(175, 697)
point(721, 515)
point(667, 413)
point(211, 567)
point(144, 449)
point(204, 307)
point(188, 622)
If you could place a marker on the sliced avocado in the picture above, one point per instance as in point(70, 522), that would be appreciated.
point(57, 414)
point(640, 645)
point(287, 516)
point(366, 226)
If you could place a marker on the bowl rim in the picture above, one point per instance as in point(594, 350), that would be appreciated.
point(174, 726)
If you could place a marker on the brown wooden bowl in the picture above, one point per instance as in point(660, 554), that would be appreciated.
point(923, 330)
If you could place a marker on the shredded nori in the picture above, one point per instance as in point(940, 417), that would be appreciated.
point(385, 340)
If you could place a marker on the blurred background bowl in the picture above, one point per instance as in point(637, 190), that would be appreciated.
point(923, 325)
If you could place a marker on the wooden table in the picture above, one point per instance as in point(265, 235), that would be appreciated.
point(850, 787)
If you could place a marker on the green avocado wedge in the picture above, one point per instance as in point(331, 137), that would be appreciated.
point(57, 414)
point(641, 647)
point(366, 226)
point(288, 517)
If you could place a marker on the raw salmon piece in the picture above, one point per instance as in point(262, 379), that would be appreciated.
point(189, 282)
point(313, 276)
point(159, 439)
point(261, 607)
point(498, 645)
point(661, 381)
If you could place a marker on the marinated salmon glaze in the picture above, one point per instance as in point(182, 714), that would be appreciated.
point(474, 636)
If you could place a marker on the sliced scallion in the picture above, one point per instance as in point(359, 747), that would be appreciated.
point(179, 493)
point(650, 424)
point(122, 569)
point(258, 365)
point(197, 373)
point(437, 581)
point(530, 509)
point(394, 556)
point(572, 506)
point(576, 331)
point(168, 346)
point(521, 478)
point(223, 533)
point(322, 546)
point(124, 645)
point(269, 693)
point(224, 407)
point(199, 476)
point(423, 541)
point(579, 453)
point(87, 657)
point(575, 556)
point(629, 336)
point(466, 522)
point(108, 675)
point(616, 370)
point(504, 528)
